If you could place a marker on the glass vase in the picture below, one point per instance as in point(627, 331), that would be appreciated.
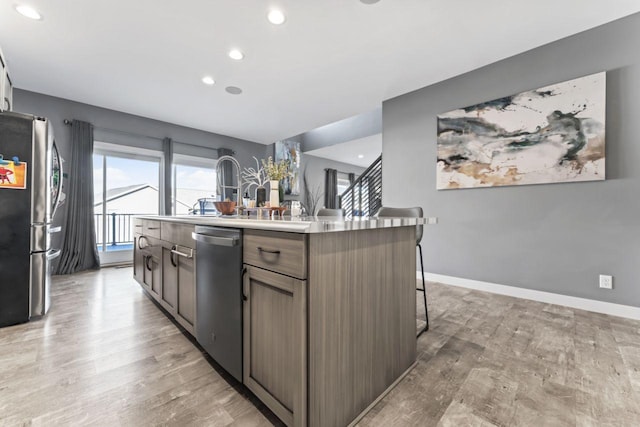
point(274, 196)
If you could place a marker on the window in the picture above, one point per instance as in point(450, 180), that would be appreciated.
point(193, 178)
point(343, 182)
point(125, 184)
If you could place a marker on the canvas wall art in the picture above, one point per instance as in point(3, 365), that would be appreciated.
point(289, 151)
point(552, 134)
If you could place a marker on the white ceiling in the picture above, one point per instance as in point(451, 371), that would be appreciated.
point(331, 59)
point(369, 147)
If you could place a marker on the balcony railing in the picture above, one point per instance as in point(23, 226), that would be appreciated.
point(364, 196)
point(119, 229)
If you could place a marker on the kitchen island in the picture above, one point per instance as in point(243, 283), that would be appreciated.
point(328, 311)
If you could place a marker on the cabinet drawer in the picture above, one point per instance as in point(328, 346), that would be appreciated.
point(137, 225)
point(151, 228)
point(178, 234)
point(144, 242)
point(284, 253)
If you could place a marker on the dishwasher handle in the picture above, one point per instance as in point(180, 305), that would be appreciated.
point(215, 240)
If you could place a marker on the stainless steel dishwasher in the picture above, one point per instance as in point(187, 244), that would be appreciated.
point(219, 295)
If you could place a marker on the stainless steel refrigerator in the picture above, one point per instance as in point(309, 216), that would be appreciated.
point(30, 186)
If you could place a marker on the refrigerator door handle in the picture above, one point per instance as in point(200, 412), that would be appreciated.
point(53, 254)
point(56, 153)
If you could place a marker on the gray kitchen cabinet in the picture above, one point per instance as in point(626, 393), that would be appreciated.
point(315, 306)
point(275, 319)
point(179, 274)
point(164, 264)
point(180, 283)
point(153, 271)
point(143, 268)
point(147, 259)
point(186, 309)
point(138, 259)
point(169, 281)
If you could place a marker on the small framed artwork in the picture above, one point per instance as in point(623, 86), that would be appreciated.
point(289, 151)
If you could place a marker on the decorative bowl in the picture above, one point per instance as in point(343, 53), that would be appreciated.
point(225, 208)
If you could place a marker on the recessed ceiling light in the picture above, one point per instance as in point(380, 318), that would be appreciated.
point(233, 90)
point(236, 54)
point(276, 17)
point(208, 80)
point(28, 12)
point(361, 156)
point(369, 1)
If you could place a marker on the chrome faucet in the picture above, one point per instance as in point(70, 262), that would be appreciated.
point(221, 179)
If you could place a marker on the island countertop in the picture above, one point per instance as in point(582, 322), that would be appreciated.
point(294, 224)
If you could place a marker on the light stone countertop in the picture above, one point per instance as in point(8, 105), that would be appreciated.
point(294, 224)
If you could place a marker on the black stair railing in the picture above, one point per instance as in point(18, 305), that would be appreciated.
point(364, 196)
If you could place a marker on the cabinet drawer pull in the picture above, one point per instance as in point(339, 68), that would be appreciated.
point(177, 252)
point(269, 251)
point(153, 228)
point(138, 226)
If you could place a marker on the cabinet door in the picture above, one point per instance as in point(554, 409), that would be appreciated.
point(147, 277)
point(138, 260)
point(156, 273)
point(169, 281)
point(186, 305)
point(152, 280)
point(275, 342)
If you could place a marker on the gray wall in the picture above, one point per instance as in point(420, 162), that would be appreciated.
point(558, 237)
point(314, 167)
point(58, 109)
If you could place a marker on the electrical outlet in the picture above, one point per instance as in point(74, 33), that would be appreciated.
point(606, 282)
point(432, 220)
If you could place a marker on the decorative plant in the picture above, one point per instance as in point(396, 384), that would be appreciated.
point(276, 170)
point(312, 196)
point(257, 176)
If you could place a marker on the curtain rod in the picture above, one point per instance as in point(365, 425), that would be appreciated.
point(339, 171)
point(137, 135)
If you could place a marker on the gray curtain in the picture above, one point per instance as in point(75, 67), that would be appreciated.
point(330, 188)
point(167, 148)
point(79, 251)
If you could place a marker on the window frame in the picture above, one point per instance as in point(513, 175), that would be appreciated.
point(105, 150)
point(179, 159)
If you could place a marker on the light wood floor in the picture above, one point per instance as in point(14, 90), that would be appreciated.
point(106, 355)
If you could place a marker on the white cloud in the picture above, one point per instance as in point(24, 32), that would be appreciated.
point(195, 179)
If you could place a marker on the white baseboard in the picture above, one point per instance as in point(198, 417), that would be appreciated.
point(612, 309)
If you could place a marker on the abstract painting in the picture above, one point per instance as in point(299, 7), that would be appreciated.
point(289, 151)
point(552, 134)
